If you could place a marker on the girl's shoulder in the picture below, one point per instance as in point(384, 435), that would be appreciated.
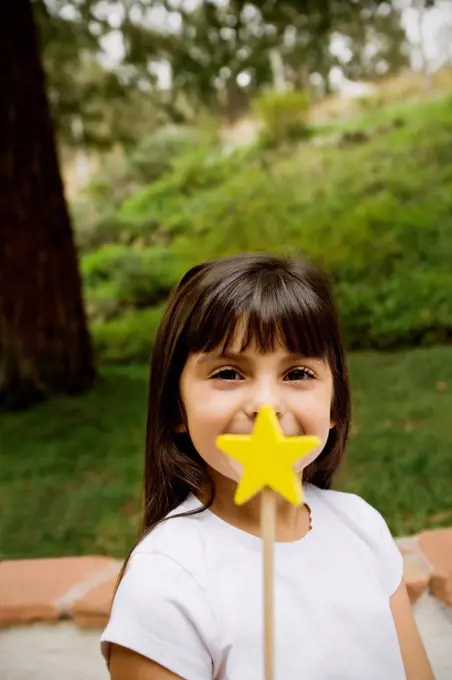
point(346, 503)
point(166, 576)
point(350, 518)
point(180, 537)
point(350, 509)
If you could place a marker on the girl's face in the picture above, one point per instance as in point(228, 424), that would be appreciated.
point(222, 394)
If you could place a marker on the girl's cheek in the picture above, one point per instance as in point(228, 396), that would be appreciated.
point(320, 428)
point(218, 408)
point(303, 463)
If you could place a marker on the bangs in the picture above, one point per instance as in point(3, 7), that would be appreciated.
point(264, 309)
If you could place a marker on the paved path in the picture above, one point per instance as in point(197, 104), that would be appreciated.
point(53, 652)
point(434, 620)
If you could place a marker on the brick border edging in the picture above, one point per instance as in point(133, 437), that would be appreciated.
point(53, 589)
point(417, 569)
point(81, 588)
point(65, 603)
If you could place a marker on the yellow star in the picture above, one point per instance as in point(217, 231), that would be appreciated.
point(268, 457)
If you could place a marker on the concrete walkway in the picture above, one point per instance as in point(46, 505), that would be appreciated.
point(63, 650)
point(46, 651)
point(434, 620)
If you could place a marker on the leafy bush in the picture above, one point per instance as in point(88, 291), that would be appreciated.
point(190, 174)
point(155, 154)
point(411, 309)
point(118, 277)
point(177, 152)
point(370, 103)
point(283, 116)
point(126, 339)
point(160, 209)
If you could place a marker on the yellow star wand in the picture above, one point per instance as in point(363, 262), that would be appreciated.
point(268, 458)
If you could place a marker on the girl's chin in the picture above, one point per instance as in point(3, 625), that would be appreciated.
point(225, 467)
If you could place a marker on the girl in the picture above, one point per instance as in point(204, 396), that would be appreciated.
point(239, 333)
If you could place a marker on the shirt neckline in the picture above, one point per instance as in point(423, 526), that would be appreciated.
point(254, 543)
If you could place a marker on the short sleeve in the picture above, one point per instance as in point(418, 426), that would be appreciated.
point(161, 612)
point(389, 557)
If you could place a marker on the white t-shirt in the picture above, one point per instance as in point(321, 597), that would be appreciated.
point(191, 598)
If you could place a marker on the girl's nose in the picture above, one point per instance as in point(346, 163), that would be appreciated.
point(255, 412)
point(263, 396)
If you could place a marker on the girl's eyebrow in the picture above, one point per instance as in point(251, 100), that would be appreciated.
point(243, 356)
point(218, 356)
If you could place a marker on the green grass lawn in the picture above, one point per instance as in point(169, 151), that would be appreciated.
point(70, 469)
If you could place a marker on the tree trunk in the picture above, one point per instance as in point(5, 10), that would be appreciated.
point(44, 341)
point(233, 100)
point(302, 78)
point(428, 81)
point(278, 72)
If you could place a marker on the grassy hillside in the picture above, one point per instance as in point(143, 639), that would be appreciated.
point(370, 199)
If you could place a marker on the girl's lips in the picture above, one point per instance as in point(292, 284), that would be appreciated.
point(248, 433)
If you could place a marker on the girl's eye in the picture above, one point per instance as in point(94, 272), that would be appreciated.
point(300, 374)
point(227, 374)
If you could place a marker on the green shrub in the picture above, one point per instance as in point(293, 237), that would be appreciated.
point(283, 116)
point(126, 339)
point(190, 174)
point(411, 308)
point(103, 301)
point(102, 264)
point(96, 216)
point(113, 181)
point(134, 277)
point(370, 103)
point(154, 155)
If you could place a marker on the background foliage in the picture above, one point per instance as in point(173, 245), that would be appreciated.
point(207, 128)
point(354, 200)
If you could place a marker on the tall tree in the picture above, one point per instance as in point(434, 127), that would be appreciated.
point(377, 41)
point(214, 45)
point(80, 84)
point(219, 55)
point(225, 52)
point(44, 342)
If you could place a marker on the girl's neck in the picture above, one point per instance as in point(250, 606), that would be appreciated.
point(292, 523)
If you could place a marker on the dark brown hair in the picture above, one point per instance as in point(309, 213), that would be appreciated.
point(280, 300)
